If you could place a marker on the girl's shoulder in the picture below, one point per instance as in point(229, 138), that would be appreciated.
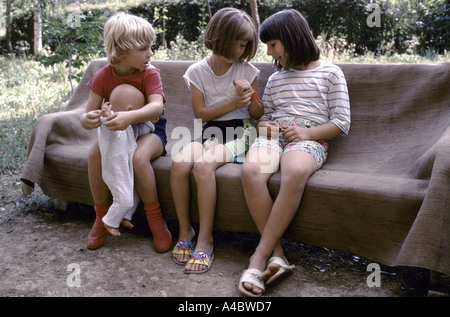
point(245, 65)
point(278, 74)
point(201, 65)
point(246, 69)
point(331, 68)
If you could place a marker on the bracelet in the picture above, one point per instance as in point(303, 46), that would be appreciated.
point(255, 96)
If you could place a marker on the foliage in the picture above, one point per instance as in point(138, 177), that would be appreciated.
point(182, 50)
point(27, 91)
point(403, 22)
point(74, 41)
point(406, 25)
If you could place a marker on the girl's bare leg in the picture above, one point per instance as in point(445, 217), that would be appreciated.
point(296, 168)
point(204, 173)
point(181, 192)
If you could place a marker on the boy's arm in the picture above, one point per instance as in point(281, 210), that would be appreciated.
point(150, 112)
point(90, 119)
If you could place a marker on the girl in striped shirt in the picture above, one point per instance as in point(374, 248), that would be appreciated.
point(305, 103)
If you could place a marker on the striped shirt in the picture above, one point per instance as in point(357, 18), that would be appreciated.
point(318, 94)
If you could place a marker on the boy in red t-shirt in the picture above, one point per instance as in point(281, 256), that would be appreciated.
point(128, 42)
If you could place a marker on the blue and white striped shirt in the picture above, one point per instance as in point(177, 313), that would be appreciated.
point(319, 94)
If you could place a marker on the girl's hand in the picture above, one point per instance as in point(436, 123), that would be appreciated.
point(91, 120)
point(268, 128)
point(243, 99)
point(241, 86)
point(119, 121)
point(244, 93)
point(295, 134)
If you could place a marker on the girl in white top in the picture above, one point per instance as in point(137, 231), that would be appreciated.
point(223, 94)
point(305, 102)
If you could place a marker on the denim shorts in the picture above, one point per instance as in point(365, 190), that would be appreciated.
point(160, 132)
point(318, 149)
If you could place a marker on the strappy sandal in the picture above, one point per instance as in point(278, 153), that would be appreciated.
point(183, 247)
point(200, 257)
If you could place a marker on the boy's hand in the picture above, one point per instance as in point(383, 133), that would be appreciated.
point(106, 109)
point(119, 121)
point(91, 119)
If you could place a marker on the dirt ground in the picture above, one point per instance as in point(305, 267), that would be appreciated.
point(43, 253)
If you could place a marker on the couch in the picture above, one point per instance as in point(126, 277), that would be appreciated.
point(384, 192)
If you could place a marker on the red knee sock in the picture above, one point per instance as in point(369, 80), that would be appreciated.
point(162, 239)
point(98, 232)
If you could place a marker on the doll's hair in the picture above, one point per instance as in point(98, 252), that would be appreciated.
point(227, 26)
point(125, 31)
point(292, 30)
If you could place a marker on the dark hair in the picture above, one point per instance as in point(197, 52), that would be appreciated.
point(292, 30)
point(229, 25)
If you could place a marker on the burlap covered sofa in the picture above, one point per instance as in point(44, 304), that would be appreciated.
point(384, 192)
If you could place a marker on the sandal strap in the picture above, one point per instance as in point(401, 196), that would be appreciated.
point(280, 262)
point(254, 277)
point(182, 246)
point(200, 257)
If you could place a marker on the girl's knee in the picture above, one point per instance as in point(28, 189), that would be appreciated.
point(255, 171)
point(202, 170)
point(296, 175)
point(180, 168)
point(249, 170)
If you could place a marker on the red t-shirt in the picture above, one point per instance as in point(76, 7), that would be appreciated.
point(105, 80)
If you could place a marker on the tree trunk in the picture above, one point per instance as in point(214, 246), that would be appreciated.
point(255, 15)
point(37, 37)
point(8, 27)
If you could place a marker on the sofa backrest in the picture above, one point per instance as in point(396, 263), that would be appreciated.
point(399, 112)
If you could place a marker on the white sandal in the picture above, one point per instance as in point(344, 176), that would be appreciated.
point(254, 277)
point(284, 268)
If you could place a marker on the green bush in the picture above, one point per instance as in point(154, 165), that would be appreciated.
point(406, 25)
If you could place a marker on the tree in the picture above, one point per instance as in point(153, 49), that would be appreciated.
point(37, 29)
point(8, 27)
point(75, 41)
point(255, 15)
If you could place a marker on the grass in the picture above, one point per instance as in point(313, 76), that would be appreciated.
point(28, 90)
